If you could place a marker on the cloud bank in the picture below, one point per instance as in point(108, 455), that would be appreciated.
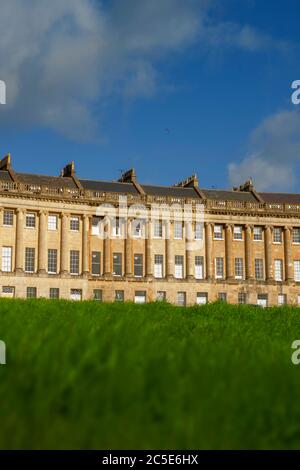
point(274, 156)
point(62, 59)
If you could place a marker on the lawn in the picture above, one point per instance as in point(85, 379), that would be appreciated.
point(105, 376)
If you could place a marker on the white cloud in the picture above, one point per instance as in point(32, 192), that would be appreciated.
point(61, 58)
point(274, 156)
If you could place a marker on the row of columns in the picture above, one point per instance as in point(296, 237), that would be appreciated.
point(249, 261)
point(169, 249)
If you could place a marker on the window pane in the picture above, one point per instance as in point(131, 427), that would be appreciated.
point(241, 297)
point(178, 230)
point(30, 220)
point(238, 232)
point(179, 266)
point(52, 261)
point(138, 265)
point(259, 270)
point(96, 259)
point(97, 294)
point(76, 294)
point(158, 266)
point(296, 235)
point(74, 262)
point(218, 231)
point(140, 297)
point(54, 293)
point(277, 235)
point(31, 292)
point(117, 264)
point(278, 269)
point(257, 233)
point(119, 296)
point(199, 265)
point(239, 268)
point(202, 298)
point(52, 222)
point(297, 270)
point(29, 260)
point(158, 228)
point(6, 258)
point(8, 218)
point(219, 267)
point(74, 224)
point(161, 296)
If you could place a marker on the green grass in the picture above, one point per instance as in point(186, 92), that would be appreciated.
point(90, 375)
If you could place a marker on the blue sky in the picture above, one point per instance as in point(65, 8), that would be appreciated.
point(166, 86)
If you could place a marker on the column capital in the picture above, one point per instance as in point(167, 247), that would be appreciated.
point(249, 226)
point(20, 210)
point(268, 227)
point(43, 212)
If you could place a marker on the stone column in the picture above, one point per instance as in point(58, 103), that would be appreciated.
point(268, 253)
point(149, 250)
point(42, 257)
point(170, 262)
point(85, 245)
point(107, 249)
point(228, 251)
point(208, 250)
point(20, 241)
point(190, 262)
point(128, 249)
point(287, 254)
point(249, 252)
point(64, 245)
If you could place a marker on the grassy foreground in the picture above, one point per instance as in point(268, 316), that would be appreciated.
point(90, 375)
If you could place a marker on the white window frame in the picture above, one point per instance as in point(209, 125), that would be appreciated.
point(52, 222)
point(296, 236)
point(158, 266)
point(238, 233)
point(140, 297)
point(179, 271)
point(10, 217)
point(117, 227)
point(6, 259)
point(282, 299)
point(76, 294)
point(157, 229)
point(257, 233)
point(201, 298)
point(181, 298)
point(259, 263)
point(278, 269)
point(199, 231)
point(219, 263)
point(297, 270)
point(30, 216)
point(277, 235)
point(239, 268)
point(199, 267)
point(218, 232)
point(74, 259)
point(74, 219)
point(95, 226)
point(178, 230)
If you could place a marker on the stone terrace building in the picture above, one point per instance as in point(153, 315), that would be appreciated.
point(248, 247)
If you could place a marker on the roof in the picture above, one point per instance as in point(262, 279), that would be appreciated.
point(128, 187)
point(280, 198)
